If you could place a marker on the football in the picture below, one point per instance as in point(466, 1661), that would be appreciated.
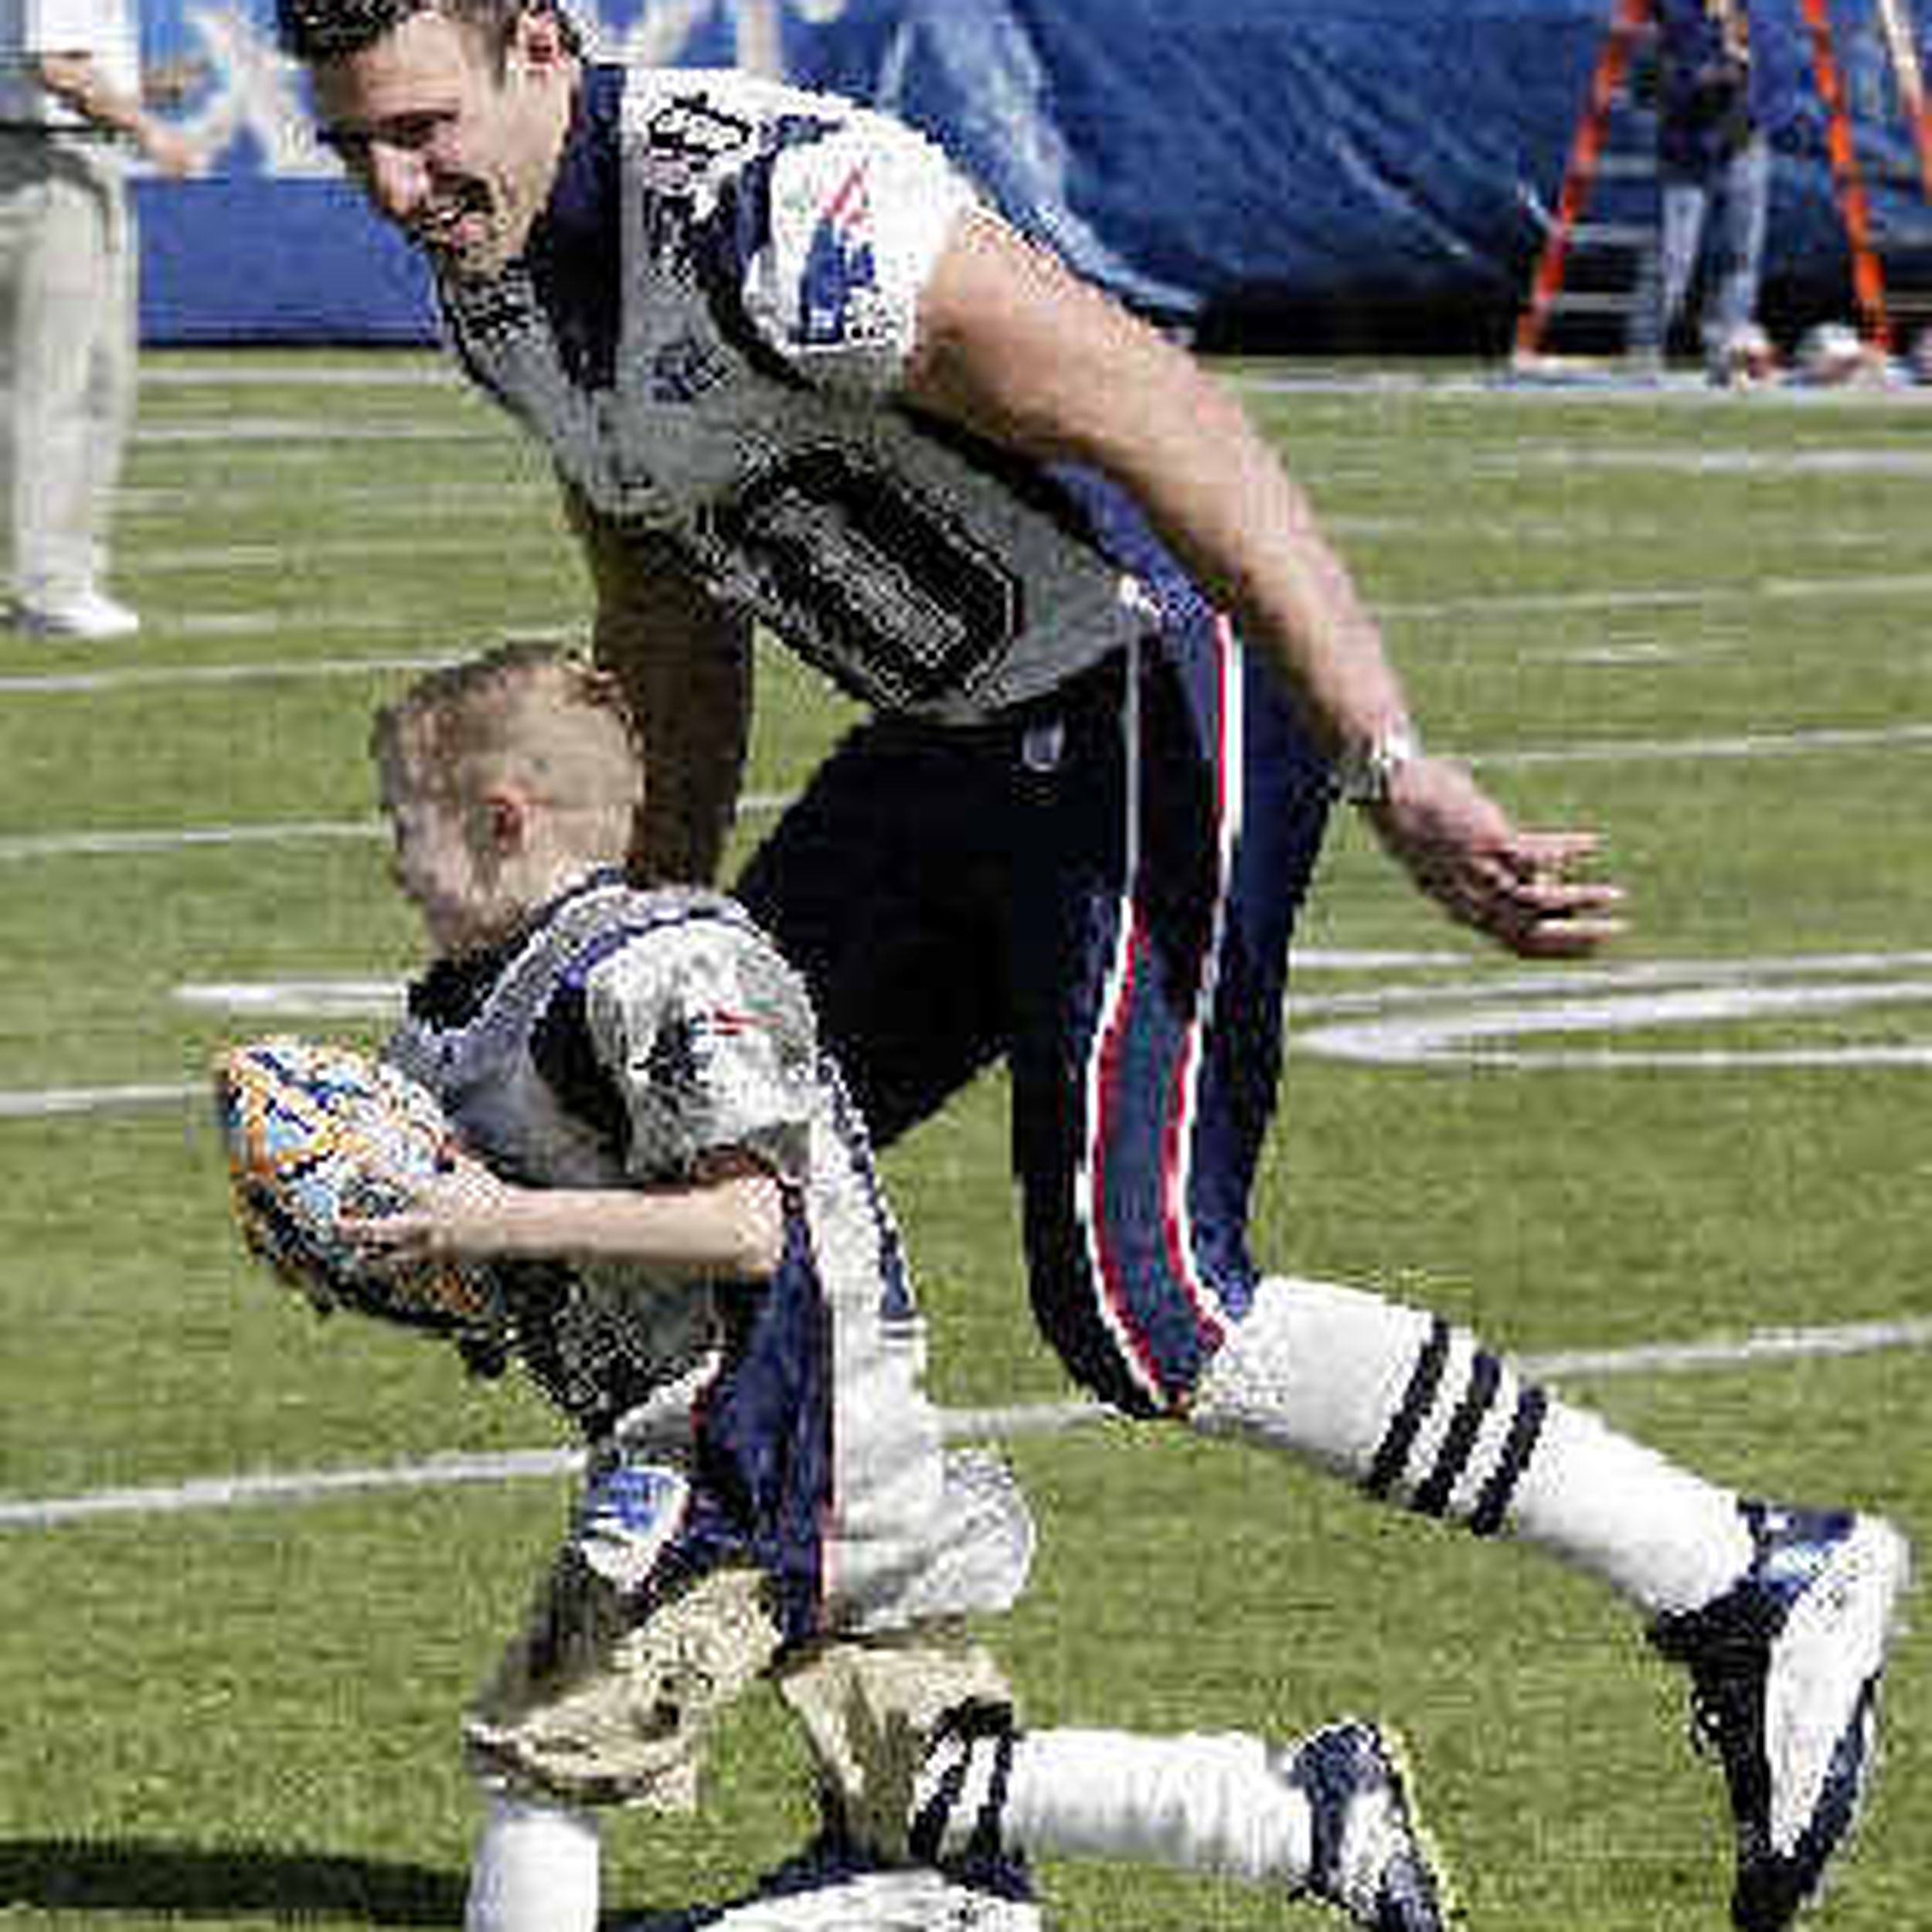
point(314, 1132)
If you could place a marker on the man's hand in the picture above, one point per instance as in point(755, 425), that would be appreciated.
point(1513, 886)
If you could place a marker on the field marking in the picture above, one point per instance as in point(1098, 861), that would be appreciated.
point(1467, 1024)
point(210, 370)
point(1709, 460)
point(1909, 735)
point(139, 500)
point(56, 1103)
point(294, 436)
point(122, 845)
point(269, 1486)
point(149, 677)
point(1460, 1022)
point(94, 681)
point(1833, 1343)
point(354, 549)
point(1866, 584)
point(136, 843)
point(292, 1487)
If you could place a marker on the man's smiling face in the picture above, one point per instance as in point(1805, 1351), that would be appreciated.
point(455, 146)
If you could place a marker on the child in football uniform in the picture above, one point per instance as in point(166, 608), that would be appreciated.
point(677, 1230)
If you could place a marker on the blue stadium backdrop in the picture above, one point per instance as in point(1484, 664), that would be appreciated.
point(1379, 156)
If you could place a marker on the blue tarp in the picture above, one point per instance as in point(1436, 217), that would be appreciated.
point(1382, 158)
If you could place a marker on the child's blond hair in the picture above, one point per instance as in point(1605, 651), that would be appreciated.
point(536, 716)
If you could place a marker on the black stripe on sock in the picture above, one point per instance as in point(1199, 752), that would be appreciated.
point(1525, 1432)
point(1485, 1378)
point(970, 1726)
point(1393, 1457)
point(988, 1838)
point(928, 1833)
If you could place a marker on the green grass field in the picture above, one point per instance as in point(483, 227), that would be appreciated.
point(1694, 622)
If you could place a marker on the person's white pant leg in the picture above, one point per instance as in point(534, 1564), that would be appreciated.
point(113, 374)
point(66, 289)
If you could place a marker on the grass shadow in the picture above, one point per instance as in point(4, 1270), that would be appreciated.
point(195, 1882)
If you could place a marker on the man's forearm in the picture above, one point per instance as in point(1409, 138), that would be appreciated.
point(686, 667)
point(76, 80)
point(1248, 536)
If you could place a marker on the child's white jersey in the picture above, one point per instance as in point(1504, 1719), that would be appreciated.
point(621, 1038)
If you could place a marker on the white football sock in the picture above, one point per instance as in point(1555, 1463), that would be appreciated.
point(1197, 1803)
point(535, 1870)
point(1421, 1413)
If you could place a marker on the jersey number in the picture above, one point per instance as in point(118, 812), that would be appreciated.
point(871, 580)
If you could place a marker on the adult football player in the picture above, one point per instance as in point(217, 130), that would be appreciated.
point(791, 371)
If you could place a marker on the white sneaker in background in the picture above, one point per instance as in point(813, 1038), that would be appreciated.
point(91, 615)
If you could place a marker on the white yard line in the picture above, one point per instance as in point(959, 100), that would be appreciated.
point(451, 497)
point(54, 1103)
point(1864, 586)
point(122, 845)
point(292, 435)
point(93, 681)
point(207, 369)
point(1907, 736)
point(269, 1486)
point(291, 1487)
point(295, 832)
point(273, 557)
point(1737, 1351)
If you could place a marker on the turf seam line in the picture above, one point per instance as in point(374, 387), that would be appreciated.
point(263, 1487)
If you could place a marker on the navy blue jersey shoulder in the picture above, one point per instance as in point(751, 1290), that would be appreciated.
point(454, 992)
point(576, 252)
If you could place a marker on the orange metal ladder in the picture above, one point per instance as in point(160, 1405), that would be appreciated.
point(1631, 22)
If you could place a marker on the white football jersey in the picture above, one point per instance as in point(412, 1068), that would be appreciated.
point(772, 246)
point(627, 1036)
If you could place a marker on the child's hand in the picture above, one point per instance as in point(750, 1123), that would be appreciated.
point(462, 1215)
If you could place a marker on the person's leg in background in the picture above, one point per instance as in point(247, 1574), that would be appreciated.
point(67, 287)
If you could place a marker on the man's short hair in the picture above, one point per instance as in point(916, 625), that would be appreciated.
point(314, 31)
